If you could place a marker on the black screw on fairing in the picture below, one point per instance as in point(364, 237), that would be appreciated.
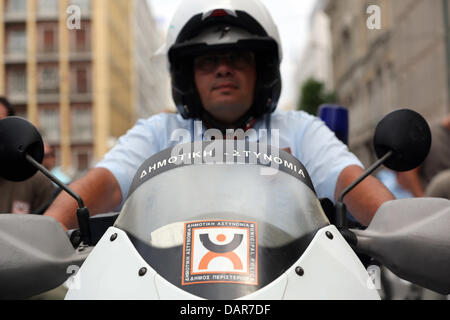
point(113, 237)
point(329, 235)
point(142, 271)
point(299, 271)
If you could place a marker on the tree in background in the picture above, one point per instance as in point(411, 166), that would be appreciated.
point(313, 95)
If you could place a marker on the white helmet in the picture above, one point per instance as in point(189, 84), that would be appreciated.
point(248, 25)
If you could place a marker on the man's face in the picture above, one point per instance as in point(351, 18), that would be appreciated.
point(226, 84)
point(3, 111)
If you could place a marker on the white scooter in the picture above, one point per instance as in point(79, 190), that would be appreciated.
point(224, 220)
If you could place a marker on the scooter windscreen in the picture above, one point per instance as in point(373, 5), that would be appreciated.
point(220, 221)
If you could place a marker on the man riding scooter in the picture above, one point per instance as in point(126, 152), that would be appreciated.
point(224, 59)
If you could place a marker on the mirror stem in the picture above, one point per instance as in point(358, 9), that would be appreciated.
point(82, 211)
point(341, 210)
point(55, 180)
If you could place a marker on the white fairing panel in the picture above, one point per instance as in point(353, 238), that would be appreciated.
point(111, 272)
point(331, 271)
point(273, 291)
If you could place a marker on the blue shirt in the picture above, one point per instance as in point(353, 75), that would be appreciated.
point(389, 179)
point(305, 136)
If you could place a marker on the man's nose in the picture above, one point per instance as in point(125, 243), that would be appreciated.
point(224, 67)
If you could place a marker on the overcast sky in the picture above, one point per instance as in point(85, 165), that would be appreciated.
point(291, 17)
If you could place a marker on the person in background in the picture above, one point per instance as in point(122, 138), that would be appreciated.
point(27, 196)
point(49, 163)
point(432, 178)
point(6, 109)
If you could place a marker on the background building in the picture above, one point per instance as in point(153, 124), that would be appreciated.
point(152, 91)
point(315, 60)
point(77, 69)
point(403, 64)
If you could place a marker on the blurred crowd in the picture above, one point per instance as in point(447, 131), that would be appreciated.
point(34, 195)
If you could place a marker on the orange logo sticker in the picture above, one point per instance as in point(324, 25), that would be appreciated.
point(220, 251)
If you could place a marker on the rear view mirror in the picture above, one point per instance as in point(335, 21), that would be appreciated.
point(18, 137)
point(402, 141)
point(407, 135)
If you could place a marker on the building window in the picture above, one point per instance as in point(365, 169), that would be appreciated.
point(48, 79)
point(49, 125)
point(16, 6)
point(17, 42)
point(80, 40)
point(379, 76)
point(47, 7)
point(49, 40)
point(83, 161)
point(17, 83)
point(346, 37)
point(81, 125)
point(80, 79)
point(84, 5)
point(47, 37)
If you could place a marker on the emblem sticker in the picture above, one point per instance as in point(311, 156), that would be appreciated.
point(220, 251)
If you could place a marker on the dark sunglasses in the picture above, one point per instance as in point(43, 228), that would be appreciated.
point(237, 60)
